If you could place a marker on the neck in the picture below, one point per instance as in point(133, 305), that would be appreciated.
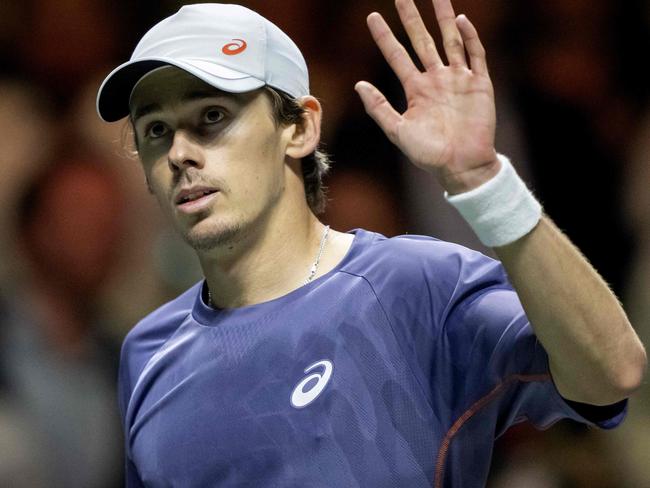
point(269, 261)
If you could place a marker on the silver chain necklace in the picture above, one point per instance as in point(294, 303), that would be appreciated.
point(312, 270)
point(314, 267)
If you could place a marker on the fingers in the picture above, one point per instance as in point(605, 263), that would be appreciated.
point(379, 109)
point(393, 51)
point(420, 38)
point(451, 38)
point(475, 49)
point(458, 35)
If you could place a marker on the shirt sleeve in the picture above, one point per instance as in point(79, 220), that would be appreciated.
point(497, 362)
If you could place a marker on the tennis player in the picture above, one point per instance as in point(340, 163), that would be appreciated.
point(309, 357)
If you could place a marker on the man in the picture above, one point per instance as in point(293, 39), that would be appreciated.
point(310, 357)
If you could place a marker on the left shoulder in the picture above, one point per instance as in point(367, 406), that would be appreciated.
point(413, 255)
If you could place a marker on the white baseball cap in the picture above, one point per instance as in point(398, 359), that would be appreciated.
point(228, 46)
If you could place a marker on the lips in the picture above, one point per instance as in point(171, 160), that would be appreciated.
point(188, 195)
point(195, 200)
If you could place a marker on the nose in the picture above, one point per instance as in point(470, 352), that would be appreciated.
point(184, 152)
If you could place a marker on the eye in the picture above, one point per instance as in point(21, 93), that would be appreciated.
point(213, 115)
point(156, 130)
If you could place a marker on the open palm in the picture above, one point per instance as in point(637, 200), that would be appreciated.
point(448, 127)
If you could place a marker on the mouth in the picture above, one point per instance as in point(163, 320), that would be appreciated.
point(194, 199)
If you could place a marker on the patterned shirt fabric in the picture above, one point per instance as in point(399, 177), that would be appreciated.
point(399, 367)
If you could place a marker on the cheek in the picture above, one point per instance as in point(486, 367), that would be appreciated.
point(270, 159)
point(262, 177)
point(157, 182)
point(253, 165)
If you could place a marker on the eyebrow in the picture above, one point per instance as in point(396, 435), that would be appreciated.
point(187, 97)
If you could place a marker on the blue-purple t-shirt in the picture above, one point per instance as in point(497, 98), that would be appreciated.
point(397, 368)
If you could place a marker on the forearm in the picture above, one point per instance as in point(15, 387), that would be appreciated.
point(595, 355)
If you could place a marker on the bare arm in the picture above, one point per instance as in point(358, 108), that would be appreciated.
point(595, 355)
point(448, 129)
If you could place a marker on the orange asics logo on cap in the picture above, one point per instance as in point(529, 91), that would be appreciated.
point(233, 48)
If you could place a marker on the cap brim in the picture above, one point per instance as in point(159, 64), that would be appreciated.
point(115, 92)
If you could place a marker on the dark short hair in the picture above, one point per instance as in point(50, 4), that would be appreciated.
point(288, 110)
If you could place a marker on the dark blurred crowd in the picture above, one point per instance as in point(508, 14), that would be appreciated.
point(85, 253)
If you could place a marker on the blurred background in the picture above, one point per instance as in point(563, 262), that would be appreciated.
point(84, 253)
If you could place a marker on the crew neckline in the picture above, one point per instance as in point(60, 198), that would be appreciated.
point(209, 316)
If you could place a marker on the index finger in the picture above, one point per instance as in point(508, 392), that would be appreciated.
point(394, 53)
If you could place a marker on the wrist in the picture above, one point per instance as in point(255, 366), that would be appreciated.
point(501, 210)
point(457, 183)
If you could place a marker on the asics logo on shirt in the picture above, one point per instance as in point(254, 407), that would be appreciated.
point(301, 398)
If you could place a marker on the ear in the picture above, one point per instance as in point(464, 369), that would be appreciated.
point(304, 138)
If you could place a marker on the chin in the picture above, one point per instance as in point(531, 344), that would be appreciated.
point(216, 235)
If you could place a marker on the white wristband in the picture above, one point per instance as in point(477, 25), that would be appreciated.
point(501, 210)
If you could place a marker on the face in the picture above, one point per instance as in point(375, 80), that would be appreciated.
point(214, 160)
